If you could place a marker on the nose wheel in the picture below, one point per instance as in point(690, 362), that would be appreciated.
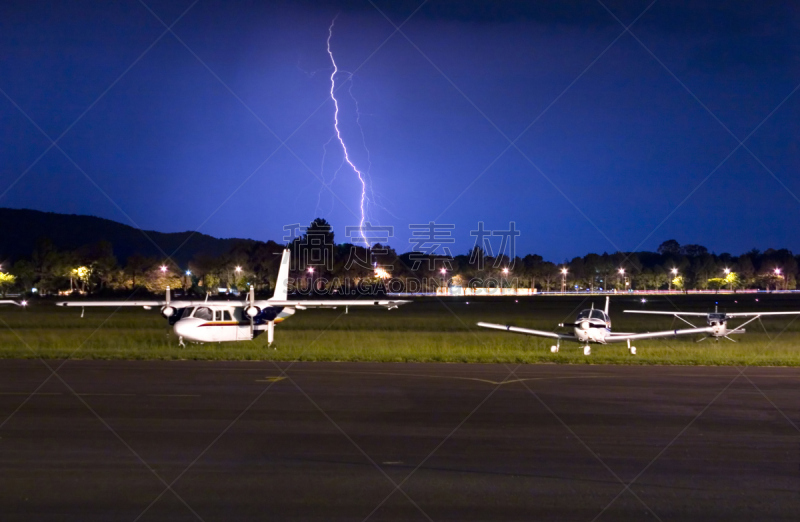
point(587, 350)
point(631, 349)
point(554, 349)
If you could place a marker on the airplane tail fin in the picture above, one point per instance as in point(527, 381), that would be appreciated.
point(607, 300)
point(282, 283)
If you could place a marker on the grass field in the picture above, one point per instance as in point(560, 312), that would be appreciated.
point(427, 330)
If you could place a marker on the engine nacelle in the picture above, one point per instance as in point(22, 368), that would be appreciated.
point(168, 311)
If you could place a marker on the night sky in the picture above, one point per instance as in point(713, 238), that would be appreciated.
point(622, 140)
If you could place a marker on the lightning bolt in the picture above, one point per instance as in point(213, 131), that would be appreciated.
point(361, 176)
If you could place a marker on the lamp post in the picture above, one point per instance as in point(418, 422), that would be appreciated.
point(777, 276)
point(727, 272)
point(564, 280)
point(624, 279)
point(310, 271)
point(505, 277)
point(443, 271)
point(674, 272)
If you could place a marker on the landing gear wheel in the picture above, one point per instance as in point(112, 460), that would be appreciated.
point(180, 342)
point(587, 350)
point(633, 350)
point(554, 349)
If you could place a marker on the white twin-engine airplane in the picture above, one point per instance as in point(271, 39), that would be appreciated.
point(594, 326)
point(224, 321)
point(717, 321)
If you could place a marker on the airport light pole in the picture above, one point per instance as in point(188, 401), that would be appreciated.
point(238, 271)
point(310, 271)
point(674, 272)
point(564, 280)
point(727, 272)
point(777, 276)
point(505, 277)
point(443, 271)
point(624, 279)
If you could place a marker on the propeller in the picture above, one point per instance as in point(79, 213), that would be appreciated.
point(167, 311)
point(251, 297)
point(583, 324)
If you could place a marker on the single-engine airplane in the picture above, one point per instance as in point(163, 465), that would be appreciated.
point(7, 301)
point(224, 321)
point(717, 321)
point(594, 326)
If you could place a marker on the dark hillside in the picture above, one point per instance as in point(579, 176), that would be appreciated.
point(20, 229)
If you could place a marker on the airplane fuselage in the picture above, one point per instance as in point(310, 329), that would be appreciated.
point(592, 333)
point(215, 323)
point(592, 326)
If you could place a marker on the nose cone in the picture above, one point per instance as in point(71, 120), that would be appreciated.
point(585, 325)
point(187, 328)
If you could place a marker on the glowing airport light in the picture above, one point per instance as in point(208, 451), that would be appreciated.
point(310, 270)
point(163, 269)
point(622, 271)
point(238, 269)
point(674, 271)
point(443, 271)
point(505, 271)
point(564, 271)
point(727, 271)
point(777, 271)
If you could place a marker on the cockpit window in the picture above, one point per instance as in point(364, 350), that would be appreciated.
point(592, 314)
point(598, 314)
point(203, 313)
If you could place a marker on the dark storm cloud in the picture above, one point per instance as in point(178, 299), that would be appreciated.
point(722, 35)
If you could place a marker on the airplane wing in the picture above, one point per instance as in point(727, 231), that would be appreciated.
point(754, 314)
point(621, 338)
point(300, 305)
point(149, 304)
point(11, 302)
point(331, 303)
point(527, 331)
point(699, 314)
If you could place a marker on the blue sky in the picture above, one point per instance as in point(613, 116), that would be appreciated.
point(620, 140)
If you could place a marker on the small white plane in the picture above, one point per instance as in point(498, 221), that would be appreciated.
point(21, 303)
point(594, 326)
point(225, 321)
point(717, 321)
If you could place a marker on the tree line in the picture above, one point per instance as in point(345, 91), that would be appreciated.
point(322, 265)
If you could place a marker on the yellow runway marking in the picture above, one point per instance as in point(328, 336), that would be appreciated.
point(271, 379)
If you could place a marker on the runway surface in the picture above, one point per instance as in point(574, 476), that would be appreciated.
point(344, 441)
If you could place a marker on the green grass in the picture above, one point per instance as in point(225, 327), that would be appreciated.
point(428, 330)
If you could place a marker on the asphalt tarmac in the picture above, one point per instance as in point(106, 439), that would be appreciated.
point(185, 440)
